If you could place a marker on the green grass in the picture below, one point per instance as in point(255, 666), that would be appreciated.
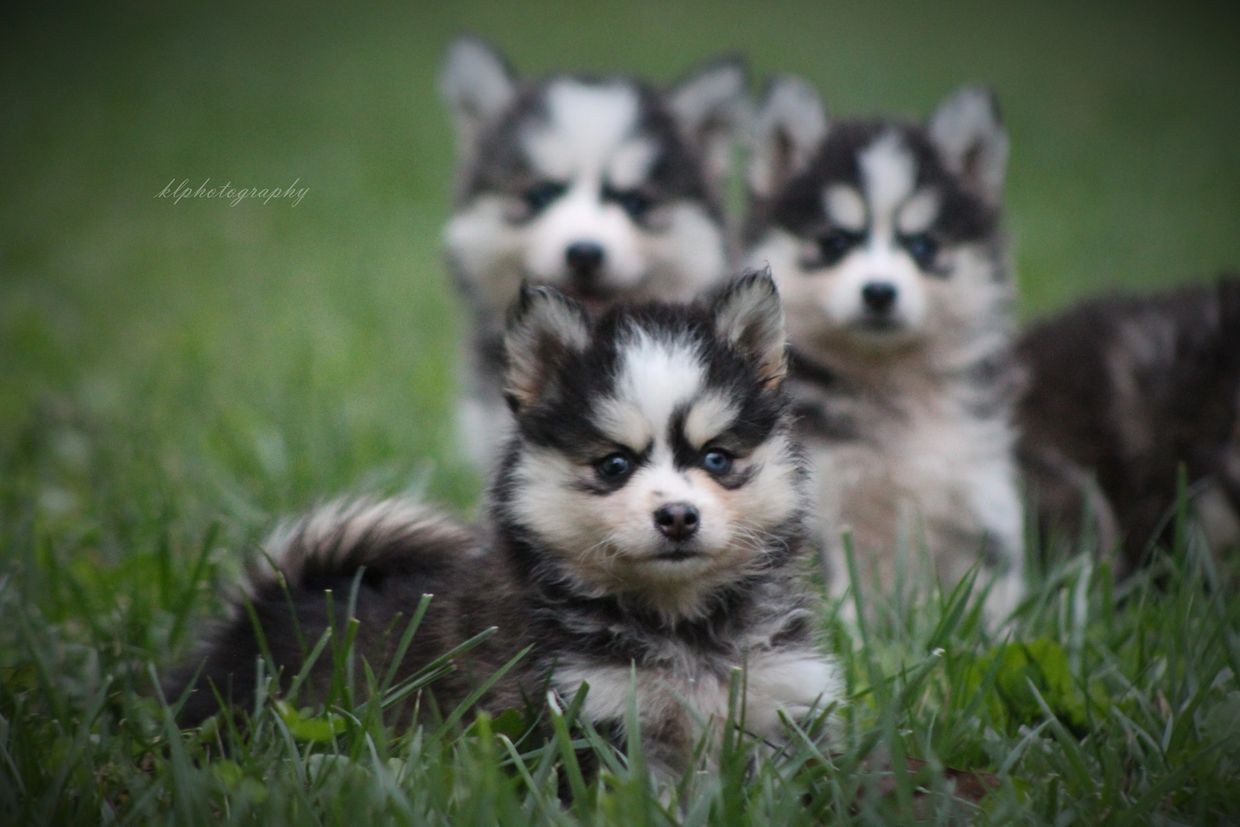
point(173, 378)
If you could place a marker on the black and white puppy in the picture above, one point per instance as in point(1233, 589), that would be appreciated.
point(602, 186)
point(884, 237)
point(1122, 391)
point(647, 519)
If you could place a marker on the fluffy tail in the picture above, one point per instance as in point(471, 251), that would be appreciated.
point(383, 541)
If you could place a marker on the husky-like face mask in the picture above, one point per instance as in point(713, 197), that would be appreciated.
point(602, 187)
point(880, 233)
point(652, 457)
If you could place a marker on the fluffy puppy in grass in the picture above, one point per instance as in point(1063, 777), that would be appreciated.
point(645, 530)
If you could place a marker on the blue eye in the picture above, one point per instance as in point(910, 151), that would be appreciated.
point(633, 202)
point(717, 462)
point(922, 248)
point(613, 466)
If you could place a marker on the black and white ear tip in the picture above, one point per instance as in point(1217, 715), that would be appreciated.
point(968, 130)
point(972, 108)
point(544, 328)
point(791, 95)
point(720, 77)
point(750, 317)
point(546, 311)
point(757, 279)
point(476, 82)
point(789, 126)
point(534, 296)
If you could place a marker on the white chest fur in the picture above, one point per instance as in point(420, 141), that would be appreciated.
point(936, 475)
point(688, 698)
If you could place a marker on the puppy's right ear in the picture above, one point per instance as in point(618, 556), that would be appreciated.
point(750, 318)
point(545, 330)
point(969, 133)
point(478, 85)
point(790, 125)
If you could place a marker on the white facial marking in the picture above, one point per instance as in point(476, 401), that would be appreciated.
point(580, 215)
point(918, 213)
point(889, 173)
point(845, 208)
point(630, 164)
point(657, 377)
point(623, 423)
point(710, 416)
point(585, 126)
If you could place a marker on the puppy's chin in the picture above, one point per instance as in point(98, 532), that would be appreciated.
point(662, 557)
point(881, 333)
point(860, 334)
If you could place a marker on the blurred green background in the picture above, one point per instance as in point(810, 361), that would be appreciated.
point(165, 366)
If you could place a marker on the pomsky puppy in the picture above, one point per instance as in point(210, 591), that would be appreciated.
point(884, 237)
point(602, 186)
point(1122, 392)
point(646, 523)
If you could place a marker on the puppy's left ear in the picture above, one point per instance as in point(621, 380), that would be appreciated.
point(750, 317)
point(969, 134)
point(709, 104)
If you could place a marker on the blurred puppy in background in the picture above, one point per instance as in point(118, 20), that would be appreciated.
point(884, 237)
point(1122, 391)
point(602, 186)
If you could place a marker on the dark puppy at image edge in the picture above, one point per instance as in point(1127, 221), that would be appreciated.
point(1122, 390)
point(648, 519)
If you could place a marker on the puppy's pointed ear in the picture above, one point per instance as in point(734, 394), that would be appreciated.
point(545, 329)
point(708, 104)
point(750, 317)
point(969, 134)
point(790, 126)
point(478, 85)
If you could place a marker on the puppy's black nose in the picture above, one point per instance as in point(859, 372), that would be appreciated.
point(879, 296)
point(584, 258)
point(677, 521)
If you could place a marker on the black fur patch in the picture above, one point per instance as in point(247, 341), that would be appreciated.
point(1129, 411)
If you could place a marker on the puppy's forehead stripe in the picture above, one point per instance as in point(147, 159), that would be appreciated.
point(889, 173)
point(585, 125)
point(655, 378)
